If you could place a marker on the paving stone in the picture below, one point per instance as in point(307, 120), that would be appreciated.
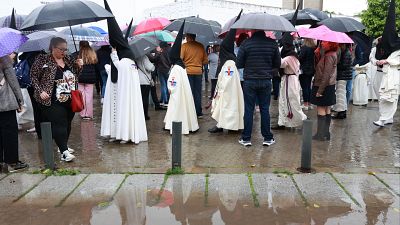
point(393, 180)
point(187, 186)
point(96, 188)
point(276, 191)
point(15, 185)
point(322, 190)
point(366, 189)
point(52, 190)
point(2, 175)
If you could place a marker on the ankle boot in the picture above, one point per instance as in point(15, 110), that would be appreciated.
point(327, 133)
point(319, 136)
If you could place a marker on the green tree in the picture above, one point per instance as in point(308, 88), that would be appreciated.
point(374, 16)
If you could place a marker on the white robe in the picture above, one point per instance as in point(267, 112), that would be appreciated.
point(290, 91)
point(109, 114)
point(377, 77)
point(130, 123)
point(371, 72)
point(26, 116)
point(360, 86)
point(390, 87)
point(181, 105)
point(228, 105)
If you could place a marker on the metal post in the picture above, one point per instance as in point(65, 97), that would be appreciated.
point(47, 145)
point(176, 144)
point(306, 147)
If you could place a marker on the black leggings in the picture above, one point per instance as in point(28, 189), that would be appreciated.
point(145, 89)
point(60, 116)
point(8, 137)
point(37, 115)
point(305, 83)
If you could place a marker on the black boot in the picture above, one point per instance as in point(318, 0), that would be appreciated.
point(319, 136)
point(327, 133)
point(340, 115)
point(215, 129)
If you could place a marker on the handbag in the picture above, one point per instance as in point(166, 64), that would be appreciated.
point(77, 104)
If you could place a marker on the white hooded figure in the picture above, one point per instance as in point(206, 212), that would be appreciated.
point(181, 105)
point(109, 113)
point(129, 122)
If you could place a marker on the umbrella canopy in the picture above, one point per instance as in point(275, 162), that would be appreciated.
point(64, 13)
point(323, 33)
point(342, 24)
point(364, 43)
point(307, 16)
point(205, 41)
point(6, 20)
point(195, 25)
point(151, 24)
point(142, 45)
point(39, 41)
point(263, 21)
point(99, 29)
point(161, 35)
point(83, 34)
point(10, 40)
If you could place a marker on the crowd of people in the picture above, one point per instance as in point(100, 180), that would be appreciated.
point(244, 73)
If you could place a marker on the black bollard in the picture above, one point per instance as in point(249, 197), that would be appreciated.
point(47, 145)
point(306, 148)
point(176, 144)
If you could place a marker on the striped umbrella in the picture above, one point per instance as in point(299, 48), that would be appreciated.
point(83, 34)
point(6, 20)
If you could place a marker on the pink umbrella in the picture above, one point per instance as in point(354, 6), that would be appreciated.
point(323, 33)
point(151, 24)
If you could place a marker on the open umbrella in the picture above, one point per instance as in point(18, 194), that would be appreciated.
point(263, 21)
point(142, 45)
point(195, 25)
point(83, 34)
point(10, 40)
point(342, 24)
point(323, 33)
point(98, 29)
point(151, 24)
point(307, 16)
point(6, 20)
point(39, 41)
point(161, 35)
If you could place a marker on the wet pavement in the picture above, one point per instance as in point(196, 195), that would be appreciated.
point(356, 146)
point(235, 199)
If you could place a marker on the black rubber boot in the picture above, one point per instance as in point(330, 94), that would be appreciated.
point(319, 136)
point(327, 133)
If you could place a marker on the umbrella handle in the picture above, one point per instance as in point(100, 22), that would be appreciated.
point(73, 38)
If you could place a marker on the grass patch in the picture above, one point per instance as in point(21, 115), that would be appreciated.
point(119, 186)
point(29, 190)
point(344, 189)
point(57, 172)
point(283, 171)
point(253, 192)
point(306, 204)
point(103, 204)
point(175, 171)
point(206, 189)
point(70, 193)
point(384, 183)
point(133, 173)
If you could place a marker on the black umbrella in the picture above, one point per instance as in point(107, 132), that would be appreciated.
point(364, 43)
point(141, 45)
point(307, 16)
point(196, 25)
point(263, 21)
point(342, 24)
point(64, 13)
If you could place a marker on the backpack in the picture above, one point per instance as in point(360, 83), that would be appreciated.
point(22, 71)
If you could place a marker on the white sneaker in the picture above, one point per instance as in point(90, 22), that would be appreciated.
point(31, 130)
point(379, 123)
point(69, 149)
point(245, 143)
point(123, 142)
point(390, 121)
point(67, 156)
point(269, 142)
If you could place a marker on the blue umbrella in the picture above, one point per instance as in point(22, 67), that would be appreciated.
point(10, 40)
point(98, 29)
point(83, 34)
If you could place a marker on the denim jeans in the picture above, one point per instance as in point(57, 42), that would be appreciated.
point(305, 83)
point(195, 84)
point(163, 77)
point(349, 88)
point(103, 75)
point(261, 90)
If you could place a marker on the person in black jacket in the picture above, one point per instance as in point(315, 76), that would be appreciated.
point(344, 74)
point(87, 78)
point(163, 65)
point(103, 56)
point(306, 58)
point(260, 57)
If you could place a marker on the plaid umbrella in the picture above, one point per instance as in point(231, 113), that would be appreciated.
point(6, 20)
point(83, 34)
point(10, 40)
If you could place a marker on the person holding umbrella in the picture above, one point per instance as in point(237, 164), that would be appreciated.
point(53, 77)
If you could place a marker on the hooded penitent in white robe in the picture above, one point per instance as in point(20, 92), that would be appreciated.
point(181, 105)
point(390, 87)
point(130, 121)
point(360, 86)
point(228, 104)
point(109, 114)
point(290, 112)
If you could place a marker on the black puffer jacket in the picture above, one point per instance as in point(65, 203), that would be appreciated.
point(306, 58)
point(345, 66)
point(88, 74)
point(259, 56)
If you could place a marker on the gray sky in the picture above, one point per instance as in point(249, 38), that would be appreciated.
point(124, 10)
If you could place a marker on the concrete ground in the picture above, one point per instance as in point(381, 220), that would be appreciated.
point(258, 198)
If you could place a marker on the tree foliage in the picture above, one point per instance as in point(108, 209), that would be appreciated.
point(374, 16)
